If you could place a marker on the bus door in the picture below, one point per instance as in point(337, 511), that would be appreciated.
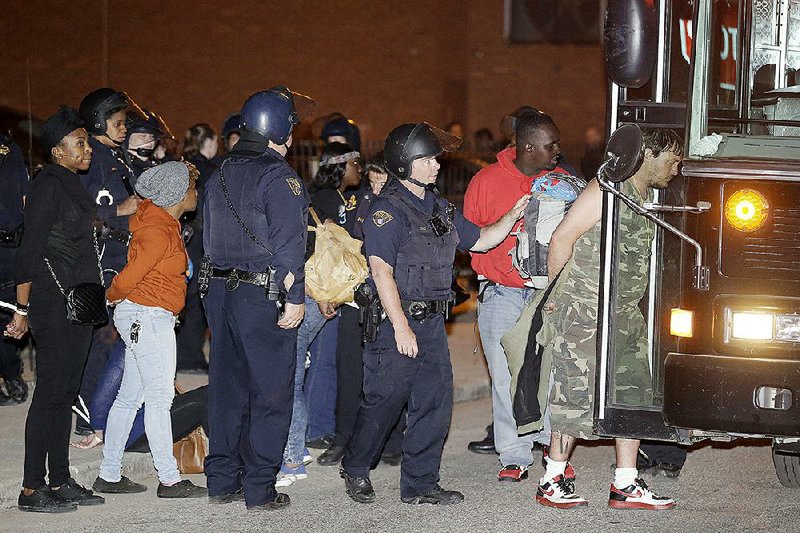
point(660, 101)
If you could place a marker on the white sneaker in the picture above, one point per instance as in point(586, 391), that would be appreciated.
point(284, 480)
point(307, 458)
point(637, 496)
point(559, 492)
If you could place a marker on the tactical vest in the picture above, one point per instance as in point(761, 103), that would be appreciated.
point(424, 266)
point(635, 236)
point(230, 246)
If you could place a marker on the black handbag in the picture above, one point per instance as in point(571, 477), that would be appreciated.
point(85, 302)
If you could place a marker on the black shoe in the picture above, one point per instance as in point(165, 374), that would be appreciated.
point(44, 501)
point(17, 389)
point(358, 488)
point(391, 459)
point(281, 500)
point(332, 456)
point(437, 496)
point(486, 445)
point(237, 496)
point(181, 489)
point(72, 492)
point(123, 486)
point(321, 443)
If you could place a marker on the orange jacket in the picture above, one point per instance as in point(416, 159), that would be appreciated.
point(155, 275)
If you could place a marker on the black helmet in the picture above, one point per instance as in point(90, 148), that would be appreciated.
point(100, 104)
point(339, 125)
point(231, 125)
point(409, 142)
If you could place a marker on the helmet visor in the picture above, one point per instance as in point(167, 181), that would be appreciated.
point(304, 107)
point(428, 138)
point(134, 111)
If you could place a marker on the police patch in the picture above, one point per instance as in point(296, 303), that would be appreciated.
point(379, 218)
point(294, 185)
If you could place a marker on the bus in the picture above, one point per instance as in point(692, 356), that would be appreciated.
point(723, 300)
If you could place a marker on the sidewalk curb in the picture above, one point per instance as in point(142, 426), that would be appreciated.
point(135, 466)
point(139, 465)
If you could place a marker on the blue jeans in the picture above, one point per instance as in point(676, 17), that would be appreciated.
point(497, 314)
point(149, 378)
point(321, 382)
point(311, 326)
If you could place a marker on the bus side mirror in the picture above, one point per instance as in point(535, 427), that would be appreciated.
point(630, 40)
point(624, 153)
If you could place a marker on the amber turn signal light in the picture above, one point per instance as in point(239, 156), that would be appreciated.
point(746, 210)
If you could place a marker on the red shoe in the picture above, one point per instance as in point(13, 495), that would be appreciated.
point(513, 473)
point(637, 496)
point(569, 471)
point(559, 493)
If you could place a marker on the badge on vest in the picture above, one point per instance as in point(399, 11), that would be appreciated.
point(379, 218)
point(104, 193)
point(294, 185)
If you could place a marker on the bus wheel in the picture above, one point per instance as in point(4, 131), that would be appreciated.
point(787, 467)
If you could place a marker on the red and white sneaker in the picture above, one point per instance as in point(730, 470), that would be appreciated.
point(638, 496)
point(569, 471)
point(559, 493)
point(513, 473)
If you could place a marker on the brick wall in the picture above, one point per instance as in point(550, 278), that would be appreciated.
point(383, 62)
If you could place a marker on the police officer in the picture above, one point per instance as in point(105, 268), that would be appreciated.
point(230, 136)
point(143, 135)
point(254, 235)
point(411, 235)
point(14, 183)
point(110, 183)
point(341, 129)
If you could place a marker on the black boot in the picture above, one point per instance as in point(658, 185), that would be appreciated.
point(486, 445)
point(358, 488)
point(71, 491)
point(17, 389)
point(437, 496)
point(332, 456)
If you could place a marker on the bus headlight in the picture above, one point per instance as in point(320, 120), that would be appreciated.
point(787, 328)
point(752, 326)
point(761, 326)
point(680, 323)
point(746, 210)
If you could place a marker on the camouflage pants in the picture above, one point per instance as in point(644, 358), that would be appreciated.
point(574, 360)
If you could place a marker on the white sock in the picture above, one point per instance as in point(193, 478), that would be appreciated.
point(624, 477)
point(554, 469)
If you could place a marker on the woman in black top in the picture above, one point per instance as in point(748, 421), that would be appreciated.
point(58, 227)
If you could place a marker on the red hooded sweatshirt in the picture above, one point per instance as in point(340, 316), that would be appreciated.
point(491, 193)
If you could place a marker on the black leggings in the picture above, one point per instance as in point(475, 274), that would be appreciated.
point(61, 350)
point(189, 410)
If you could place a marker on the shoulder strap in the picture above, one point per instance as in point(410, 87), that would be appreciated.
point(236, 213)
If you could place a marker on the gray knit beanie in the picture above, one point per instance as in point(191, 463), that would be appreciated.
point(165, 184)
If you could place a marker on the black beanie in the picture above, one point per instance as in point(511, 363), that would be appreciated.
point(62, 123)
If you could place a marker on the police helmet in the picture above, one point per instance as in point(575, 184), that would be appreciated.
point(271, 114)
point(339, 125)
point(151, 124)
point(409, 142)
point(231, 125)
point(97, 106)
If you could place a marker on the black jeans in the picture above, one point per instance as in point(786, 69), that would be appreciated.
point(61, 351)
